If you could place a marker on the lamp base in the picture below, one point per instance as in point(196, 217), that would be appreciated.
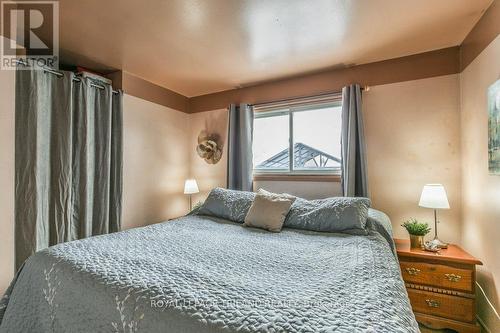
point(438, 243)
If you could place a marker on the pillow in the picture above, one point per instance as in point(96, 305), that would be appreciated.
point(331, 214)
point(268, 210)
point(227, 204)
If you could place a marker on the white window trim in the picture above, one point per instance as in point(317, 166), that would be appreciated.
point(290, 108)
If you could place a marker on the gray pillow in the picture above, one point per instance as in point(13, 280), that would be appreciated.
point(227, 204)
point(330, 215)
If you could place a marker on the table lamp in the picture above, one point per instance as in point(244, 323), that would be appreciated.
point(434, 196)
point(191, 187)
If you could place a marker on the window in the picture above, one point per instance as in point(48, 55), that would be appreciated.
point(302, 138)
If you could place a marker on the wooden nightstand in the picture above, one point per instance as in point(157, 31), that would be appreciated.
point(441, 286)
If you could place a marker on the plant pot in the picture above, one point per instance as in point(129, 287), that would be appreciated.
point(416, 242)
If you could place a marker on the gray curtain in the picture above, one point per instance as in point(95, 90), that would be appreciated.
point(68, 163)
point(239, 159)
point(354, 170)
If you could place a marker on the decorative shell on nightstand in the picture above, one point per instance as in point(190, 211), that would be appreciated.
point(209, 147)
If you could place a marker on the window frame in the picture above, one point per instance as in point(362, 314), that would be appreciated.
point(290, 109)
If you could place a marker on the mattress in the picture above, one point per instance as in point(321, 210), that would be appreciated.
point(202, 274)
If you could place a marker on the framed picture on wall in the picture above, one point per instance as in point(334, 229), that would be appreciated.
point(494, 128)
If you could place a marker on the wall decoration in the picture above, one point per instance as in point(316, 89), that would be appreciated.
point(209, 147)
point(494, 128)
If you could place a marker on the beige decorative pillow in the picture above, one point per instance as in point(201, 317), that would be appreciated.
point(268, 210)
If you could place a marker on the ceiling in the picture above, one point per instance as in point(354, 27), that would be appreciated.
point(195, 47)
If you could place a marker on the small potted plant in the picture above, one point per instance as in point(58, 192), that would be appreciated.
point(417, 232)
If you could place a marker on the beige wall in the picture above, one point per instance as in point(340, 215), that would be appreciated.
point(412, 134)
point(7, 104)
point(480, 190)
point(208, 176)
point(411, 141)
point(155, 162)
point(308, 190)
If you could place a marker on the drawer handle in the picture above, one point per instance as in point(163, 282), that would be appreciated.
point(432, 303)
point(412, 271)
point(453, 277)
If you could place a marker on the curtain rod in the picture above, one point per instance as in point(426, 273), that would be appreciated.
point(59, 74)
point(320, 96)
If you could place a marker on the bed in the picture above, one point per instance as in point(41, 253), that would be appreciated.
point(206, 274)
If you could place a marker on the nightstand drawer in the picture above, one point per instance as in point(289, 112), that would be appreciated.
point(446, 306)
point(436, 275)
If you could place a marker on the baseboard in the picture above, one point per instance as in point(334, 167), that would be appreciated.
point(484, 328)
point(488, 308)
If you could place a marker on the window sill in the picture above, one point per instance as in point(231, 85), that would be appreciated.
point(297, 178)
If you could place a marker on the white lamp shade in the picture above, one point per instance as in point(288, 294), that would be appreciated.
point(434, 196)
point(191, 187)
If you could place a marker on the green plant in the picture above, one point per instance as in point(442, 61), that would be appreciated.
point(416, 228)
